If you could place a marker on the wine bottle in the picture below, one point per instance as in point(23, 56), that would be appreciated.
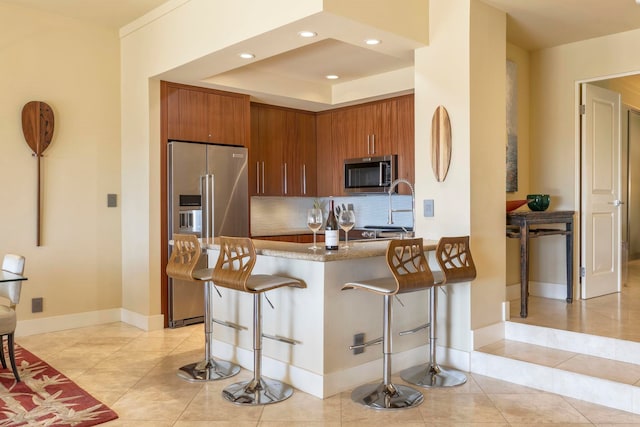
point(331, 230)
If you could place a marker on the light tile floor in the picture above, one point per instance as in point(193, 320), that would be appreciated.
point(134, 372)
point(615, 315)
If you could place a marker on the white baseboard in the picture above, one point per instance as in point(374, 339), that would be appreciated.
point(539, 289)
point(346, 379)
point(146, 323)
point(487, 335)
point(90, 318)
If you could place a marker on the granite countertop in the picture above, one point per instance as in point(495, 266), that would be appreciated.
point(286, 232)
point(359, 249)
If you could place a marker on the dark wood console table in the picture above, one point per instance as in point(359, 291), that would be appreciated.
point(518, 226)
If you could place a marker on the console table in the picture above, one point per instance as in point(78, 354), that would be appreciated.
point(519, 226)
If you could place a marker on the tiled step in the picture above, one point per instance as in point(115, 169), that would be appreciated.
point(600, 370)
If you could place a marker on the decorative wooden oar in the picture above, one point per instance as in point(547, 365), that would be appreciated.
point(37, 127)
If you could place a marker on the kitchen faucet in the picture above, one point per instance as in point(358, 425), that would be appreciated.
point(392, 186)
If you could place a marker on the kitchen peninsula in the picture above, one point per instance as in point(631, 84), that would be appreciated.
point(321, 320)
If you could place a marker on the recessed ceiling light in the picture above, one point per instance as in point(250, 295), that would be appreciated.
point(332, 77)
point(307, 34)
point(372, 42)
point(247, 55)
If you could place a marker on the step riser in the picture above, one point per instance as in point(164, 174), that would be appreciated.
point(592, 345)
point(590, 389)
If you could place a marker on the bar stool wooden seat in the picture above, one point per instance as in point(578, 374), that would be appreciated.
point(233, 270)
point(411, 272)
point(181, 265)
point(454, 257)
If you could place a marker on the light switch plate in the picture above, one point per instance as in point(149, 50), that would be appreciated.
point(112, 200)
point(427, 206)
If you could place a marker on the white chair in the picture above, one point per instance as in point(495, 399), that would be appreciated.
point(11, 291)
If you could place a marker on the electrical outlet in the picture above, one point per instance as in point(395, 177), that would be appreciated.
point(357, 340)
point(36, 305)
point(112, 200)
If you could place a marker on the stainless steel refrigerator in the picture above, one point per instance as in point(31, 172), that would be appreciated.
point(207, 196)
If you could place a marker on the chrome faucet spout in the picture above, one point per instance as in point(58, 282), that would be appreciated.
point(392, 187)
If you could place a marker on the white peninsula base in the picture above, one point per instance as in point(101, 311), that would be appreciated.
point(321, 319)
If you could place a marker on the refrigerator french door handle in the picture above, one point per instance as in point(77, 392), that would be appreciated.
point(206, 192)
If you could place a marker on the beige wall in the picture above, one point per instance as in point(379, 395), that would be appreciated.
point(488, 142)
point(521, 58)
point(74, 67)
point(149, 48)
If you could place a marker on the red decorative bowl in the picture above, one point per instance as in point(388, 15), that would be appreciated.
point(515, 204)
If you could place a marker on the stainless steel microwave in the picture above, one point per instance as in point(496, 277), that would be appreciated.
point(370, 174)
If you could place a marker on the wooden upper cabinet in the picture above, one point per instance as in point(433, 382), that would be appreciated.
point(282, 152)
point(365, 130)
point(329, 178)
point(405, 137)
point(266, 151)
point(300, 157)
point(226, 119)
point(374, 129)
point(206, 115)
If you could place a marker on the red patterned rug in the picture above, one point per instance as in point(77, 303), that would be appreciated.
point(45, 397)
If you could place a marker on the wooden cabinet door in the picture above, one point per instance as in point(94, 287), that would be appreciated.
point(405, 136)
point(255, 159)
point(326, 171)
point(300, 157)
point(381, 122)
point(187, 113)
point(268, 131)
point(226, 119)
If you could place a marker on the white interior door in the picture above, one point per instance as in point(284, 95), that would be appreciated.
point(600, 210)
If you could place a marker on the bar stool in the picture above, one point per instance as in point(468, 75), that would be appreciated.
point(411, 272)
point(233, 270)
point(181, 265)
point(454, 257)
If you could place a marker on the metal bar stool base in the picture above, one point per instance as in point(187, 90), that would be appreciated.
point(261, 392)
point(387, 396)
point(208, 370)
point(429, 375)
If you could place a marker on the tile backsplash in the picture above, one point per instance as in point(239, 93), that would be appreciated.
point(287, 215)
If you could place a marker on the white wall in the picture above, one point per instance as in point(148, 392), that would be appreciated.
point(74, 67)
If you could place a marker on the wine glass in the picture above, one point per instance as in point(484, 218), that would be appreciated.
point(346, 220)
point(314, 222)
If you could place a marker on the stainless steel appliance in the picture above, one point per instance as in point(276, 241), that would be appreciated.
point(207, 196)
point(370, 174)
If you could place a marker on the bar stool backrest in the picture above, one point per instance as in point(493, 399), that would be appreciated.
point(408, 264)
point(235, 263)
point(184, 256)
point(454, 257)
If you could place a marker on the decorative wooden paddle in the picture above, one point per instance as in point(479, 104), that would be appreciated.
point(37, 127)
point(440, 143)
